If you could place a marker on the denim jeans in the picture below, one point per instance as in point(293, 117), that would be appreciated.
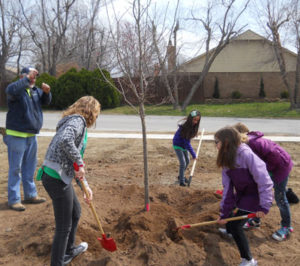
point(67, 213)
point(236, 229)
point(282, 202)
point(22, 164)
point(184, 161)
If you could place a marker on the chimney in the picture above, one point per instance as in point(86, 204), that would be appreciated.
point(171, 55)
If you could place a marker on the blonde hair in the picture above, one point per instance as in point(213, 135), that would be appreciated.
point(244, 137)
point(242, 128)
point(86, 106)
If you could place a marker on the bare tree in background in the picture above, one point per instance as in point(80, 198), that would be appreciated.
point(296, 28)
point(9, 28)
point(133, 47)
point(167, 61)
point(88, 42)
point(47, 22)
point(279, 16)
point(222, 31)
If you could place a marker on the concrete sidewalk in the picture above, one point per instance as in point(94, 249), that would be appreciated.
point(162, 136)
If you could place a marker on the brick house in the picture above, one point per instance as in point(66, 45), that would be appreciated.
point(242, 65)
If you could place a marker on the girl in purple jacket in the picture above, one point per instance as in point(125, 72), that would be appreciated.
point(279, 165)
point(182, 143)
point(247, 187)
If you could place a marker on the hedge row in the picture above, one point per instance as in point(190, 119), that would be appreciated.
point(74, 84)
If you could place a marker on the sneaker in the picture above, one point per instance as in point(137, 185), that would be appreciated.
point(251, 223)
point(223, 231)
point(282, 233)
point(182, 184)
point(251, 262)
point(17, 207)
point(82, 247)
point(34, 200)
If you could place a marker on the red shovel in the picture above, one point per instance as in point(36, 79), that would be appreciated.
point(107, 243)
point(187, 226)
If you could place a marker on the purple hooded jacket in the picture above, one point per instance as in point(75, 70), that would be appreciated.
point(278, 161)
point(248, 186)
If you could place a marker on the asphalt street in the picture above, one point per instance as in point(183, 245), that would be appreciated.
point(168, 124)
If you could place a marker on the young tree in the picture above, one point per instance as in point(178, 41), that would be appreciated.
point(221, 28)
point(133, 47)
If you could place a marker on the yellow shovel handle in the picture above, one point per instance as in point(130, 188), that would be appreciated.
point(91, 206)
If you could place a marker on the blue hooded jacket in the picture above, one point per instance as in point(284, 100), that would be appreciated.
point(182, 142)
point(24, 111)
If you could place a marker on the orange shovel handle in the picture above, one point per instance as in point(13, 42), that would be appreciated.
point(251, 215)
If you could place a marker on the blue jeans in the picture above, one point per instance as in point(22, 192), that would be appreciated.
point(282, 202)
point(22, 164)
point(184, 161)
point(67, 213)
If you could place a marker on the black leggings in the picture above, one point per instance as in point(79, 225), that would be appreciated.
point(236, 229)
point(67, 213)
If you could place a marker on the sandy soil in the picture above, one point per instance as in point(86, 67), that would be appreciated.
point(115, 174)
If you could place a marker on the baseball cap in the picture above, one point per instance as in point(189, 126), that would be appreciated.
point(26, 70)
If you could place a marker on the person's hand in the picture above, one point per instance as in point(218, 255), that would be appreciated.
point(88, 198)
point(80, 173)
point(46, 88)
point(260, 214)
point(32, 76)
point(221, 221)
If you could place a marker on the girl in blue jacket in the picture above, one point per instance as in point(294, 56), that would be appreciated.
point(182, 142)
point(247, 187)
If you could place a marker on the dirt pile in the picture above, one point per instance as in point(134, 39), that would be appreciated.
point(115, 173)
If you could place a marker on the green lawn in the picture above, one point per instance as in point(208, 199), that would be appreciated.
point(274, 110)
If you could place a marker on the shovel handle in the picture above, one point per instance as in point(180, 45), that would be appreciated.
point(76, 168)
point(251, 215)
point(197, 153)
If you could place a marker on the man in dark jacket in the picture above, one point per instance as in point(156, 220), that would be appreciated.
point(24, 120)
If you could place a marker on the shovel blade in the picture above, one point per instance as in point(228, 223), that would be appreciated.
point(107, 243)
point(189, 181)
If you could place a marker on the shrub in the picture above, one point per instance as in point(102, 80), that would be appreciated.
point(51, 81)
point(284, 95)
point(105, 93)
point(236, 95)
point(72, 85)
point(262, 93)
point(216, 93)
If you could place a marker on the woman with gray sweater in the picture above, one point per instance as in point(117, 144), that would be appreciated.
point(57, 172)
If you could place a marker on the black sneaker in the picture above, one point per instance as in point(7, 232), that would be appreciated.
point(82, 247)
point(182, 184)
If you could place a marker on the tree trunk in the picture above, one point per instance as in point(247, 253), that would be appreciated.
point(145, 153)
point(296, 96)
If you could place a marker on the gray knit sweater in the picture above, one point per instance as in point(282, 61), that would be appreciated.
point(65, 147)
